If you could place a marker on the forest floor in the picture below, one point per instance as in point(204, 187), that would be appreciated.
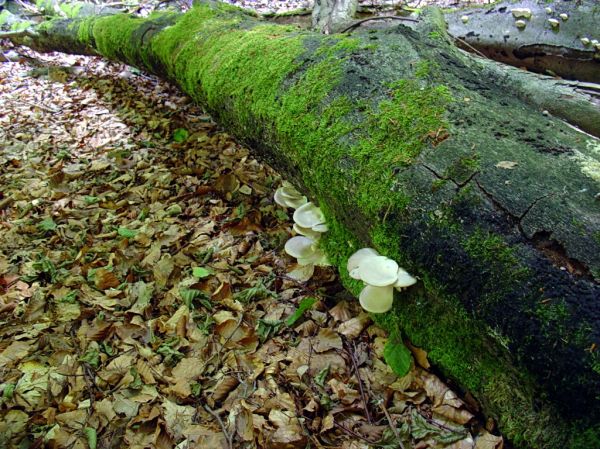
point(144, 295)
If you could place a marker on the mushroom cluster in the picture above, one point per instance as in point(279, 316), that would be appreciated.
point(309, 223)
point(382, 275)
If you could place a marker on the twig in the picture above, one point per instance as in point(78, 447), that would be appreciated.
point(466, 44)
point(392, 424)
point(223, 428)
point(353, 433)
point(360, 382)
point(11, 34)
point(360, 22)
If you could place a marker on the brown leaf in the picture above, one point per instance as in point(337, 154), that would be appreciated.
point(488, 441)
point(352, 328)
point(341, 312)
point(104, 279)
point(326, 340)
point(419, 354)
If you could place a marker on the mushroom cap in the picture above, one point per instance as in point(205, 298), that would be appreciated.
point(307, 232)
point(300, 247)
point(378, 271)
point(288, 196)
point(404, 279)
point(521, 13)
point(321, 227)
point(376, 299)
point(308, 215)
point(318, 258)
point(302, 273)
point(520, 24)
point(357, 257)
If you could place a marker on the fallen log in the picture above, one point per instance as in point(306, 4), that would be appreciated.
point(407, 148)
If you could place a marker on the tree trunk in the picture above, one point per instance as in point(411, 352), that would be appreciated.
point(331, 16)
point(424, 152)
point(553, 37)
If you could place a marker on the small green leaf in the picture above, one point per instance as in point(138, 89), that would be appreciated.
point(397, 356)
point(304, 305)
point(92, 357)
point(201, 272)
point(92, 437)
point(180, 135)
point(9, 389)
point(173, 210)
point(127, 233)
point(89, 200)
point(322, 376)
point(189, 295)
point(267, 328)
point(47, 225)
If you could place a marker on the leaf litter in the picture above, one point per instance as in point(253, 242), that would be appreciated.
point(144, 300)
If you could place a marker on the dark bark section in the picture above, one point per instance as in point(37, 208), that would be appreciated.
point(509, 255)
point(538, 46)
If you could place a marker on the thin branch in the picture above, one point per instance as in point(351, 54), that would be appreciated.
point(228, 436)
point(360, 22)
point(392, 424)
point(469, 46)
point(354, 434)
point(360, 382)
point(11, 34)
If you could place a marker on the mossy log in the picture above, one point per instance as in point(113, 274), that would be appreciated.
point(409, 149)
point(557, 37)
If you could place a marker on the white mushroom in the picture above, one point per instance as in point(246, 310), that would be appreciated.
point(553, 23)
point(376, 299)
point(299, 247)
point(585, 41)
point(378, 271)
point(307, 254)
point(564, 16)
point(524, 13)
point(309, 216)
point(548, 10)
point(307, 232)
point(358, 256)
point(404, 279)
point(381, 275)
point(321, 227)
point(464, 19)
point(520, 24)
point(288, 196)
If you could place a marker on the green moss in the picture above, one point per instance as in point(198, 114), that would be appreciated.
point(85, 30)
point(71, 10)
point(490, 248)
point(112, 35)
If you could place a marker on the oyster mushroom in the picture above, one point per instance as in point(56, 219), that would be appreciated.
point(310, 216)
point(404, 279)
point(307, 254)
point(376, 299)
point(307, 232)
point(288, 196)
point(356, 258)
point(521, 13)
point(378, 271)
point(381, 274)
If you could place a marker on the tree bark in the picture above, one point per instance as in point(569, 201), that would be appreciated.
point(429, 155)
point(549, 41)
point(331, 16)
